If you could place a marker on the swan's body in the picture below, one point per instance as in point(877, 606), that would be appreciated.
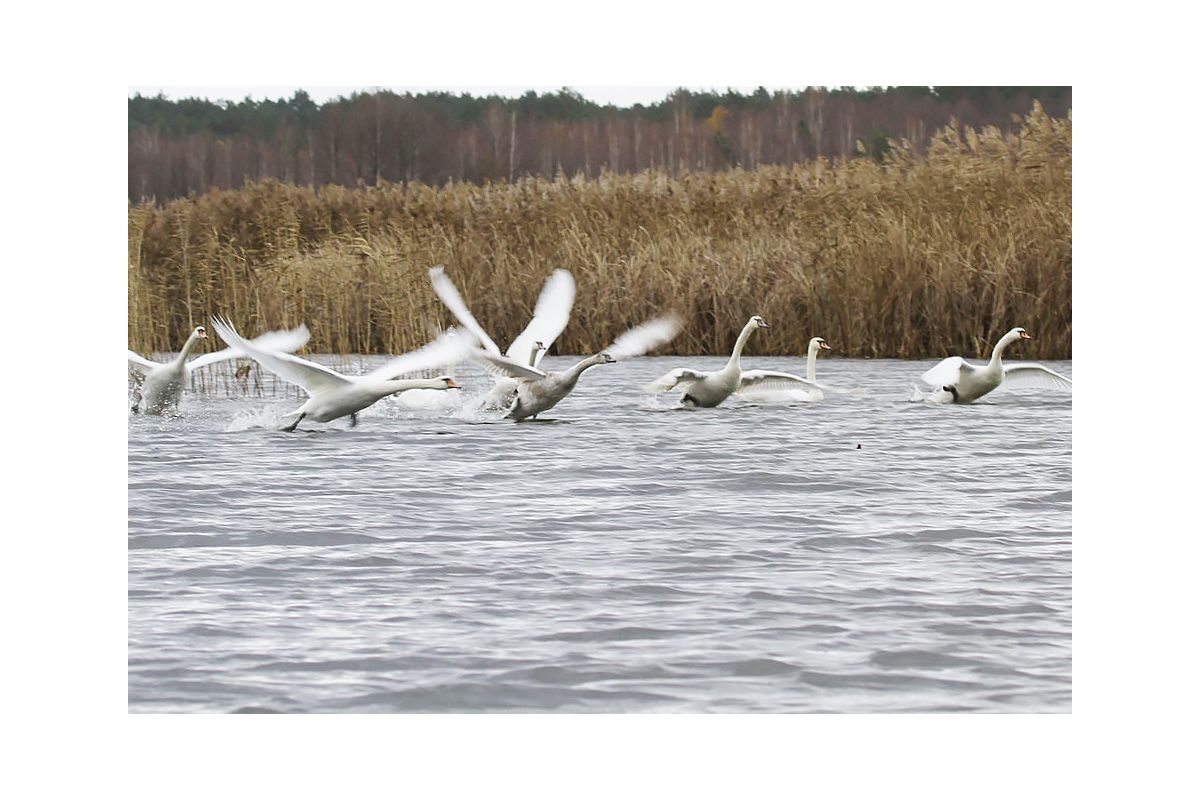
point(538, 391)
point(332, 395)
point(550, 316)
point(162, 387)
point(962, 382)
point(709, 389)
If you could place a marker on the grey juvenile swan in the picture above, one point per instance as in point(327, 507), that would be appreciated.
point(550, 316)
point(538, 391)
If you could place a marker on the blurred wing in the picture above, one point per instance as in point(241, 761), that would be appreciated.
point(451, 347)
point(141, 363)
point(856, 391)
point(1035, 375)
point(680, 378)
point(446, 290)
point(310, 376)
point(499, 365)
point(645, 337)
point(550, 316)
point(948, 372)
point(762, 380)
point(277, 341)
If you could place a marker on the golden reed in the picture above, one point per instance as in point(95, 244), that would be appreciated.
point(922, 255)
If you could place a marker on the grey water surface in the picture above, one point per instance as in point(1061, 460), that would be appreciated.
point(617, 556)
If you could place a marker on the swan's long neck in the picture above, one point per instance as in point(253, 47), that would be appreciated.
point(1004, 342)
point(810, 373)
point(735, 359)
point(572, 374)
point(395, 385)
point(188, 346)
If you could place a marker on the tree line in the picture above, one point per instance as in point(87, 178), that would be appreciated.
point(189, 146)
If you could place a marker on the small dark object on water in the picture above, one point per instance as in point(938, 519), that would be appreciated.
point(859, 447)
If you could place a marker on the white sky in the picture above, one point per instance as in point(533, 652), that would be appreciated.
point(616, 95)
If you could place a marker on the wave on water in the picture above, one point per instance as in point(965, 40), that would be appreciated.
point(263, 417)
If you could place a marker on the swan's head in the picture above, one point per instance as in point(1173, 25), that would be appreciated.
point(759, 321)
point(1021, 331)
point(817, 343)
point(200, 332)
point(446, 382)
point(605, 358)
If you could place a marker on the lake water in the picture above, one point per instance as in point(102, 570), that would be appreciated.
point(617, 557)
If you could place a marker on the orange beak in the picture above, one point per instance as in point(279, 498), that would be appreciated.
point(450, 382)
point(1025, 335)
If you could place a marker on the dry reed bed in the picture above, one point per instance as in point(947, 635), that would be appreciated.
point(919, 256)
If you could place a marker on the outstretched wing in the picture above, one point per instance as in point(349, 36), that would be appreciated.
point(550, 316)
point(450, 348)
point(446, 290)
point(644, 338)
point(308, 375)
point(681, 378)
point(763, 380)
point(947, 372)
point(500, 365)
point(144, 364)
point(277, 341)
point(1035, 375)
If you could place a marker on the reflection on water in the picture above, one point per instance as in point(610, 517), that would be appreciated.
point(859, 554)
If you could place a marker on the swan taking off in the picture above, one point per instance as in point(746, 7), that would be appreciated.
point(332, 395)
point(163, 385)
point(538, 391)
point(966, 383)
point(708, 389)
point(806, 388)
point(550, 316)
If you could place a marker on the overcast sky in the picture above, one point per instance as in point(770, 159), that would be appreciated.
point(618, 95)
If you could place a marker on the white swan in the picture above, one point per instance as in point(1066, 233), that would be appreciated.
point(550, 316)
point(966, 383)
point(538, 391)
point(793, 386)
point(819, 389)
point(708, 389)
point(332, 395)
point(163, 384)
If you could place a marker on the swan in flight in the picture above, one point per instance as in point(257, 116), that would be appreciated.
point(332, 395)
point(550, 316)
point(709, 389)
point(163, 385)
point(966, 383)
point(538, 390)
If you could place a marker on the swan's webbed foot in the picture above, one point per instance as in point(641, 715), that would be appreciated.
point(952, 390)
point(353, 418)
point(688, 400)
point(292, 427)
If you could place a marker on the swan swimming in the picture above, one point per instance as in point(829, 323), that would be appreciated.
point(962, 382)
point(709, 389)
point(162, 387)
point(538, 391)
point(550, 316)
point(332, 395)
